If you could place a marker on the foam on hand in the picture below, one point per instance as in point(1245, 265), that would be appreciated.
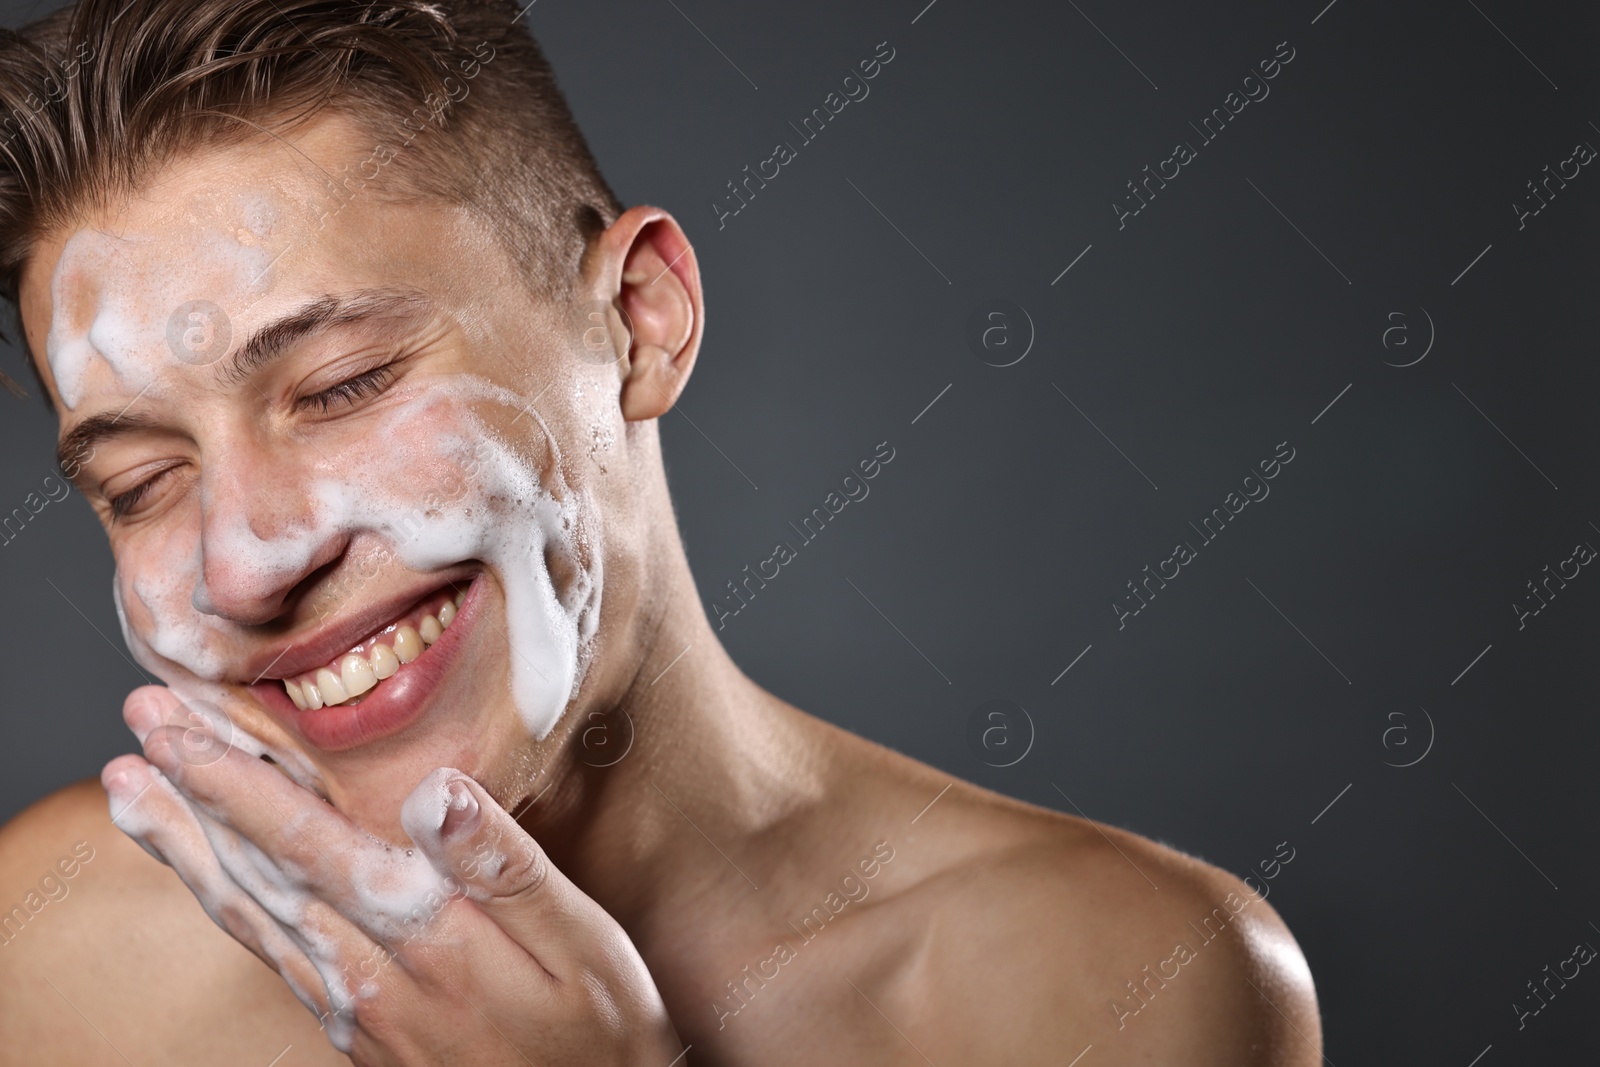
point(397, 893)
point(220, 886)
point(422, 814)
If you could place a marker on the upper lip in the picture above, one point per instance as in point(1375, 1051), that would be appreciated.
point(328, 641)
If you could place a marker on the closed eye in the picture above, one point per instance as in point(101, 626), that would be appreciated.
point(130, 501)
point(351, 390)
point(125, 502)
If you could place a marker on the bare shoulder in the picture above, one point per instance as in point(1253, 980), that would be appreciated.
point(1087, 935)
point(105, 955)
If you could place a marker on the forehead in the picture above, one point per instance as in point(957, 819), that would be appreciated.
point(212, 242)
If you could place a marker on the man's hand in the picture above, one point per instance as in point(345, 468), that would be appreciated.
point(472, 949)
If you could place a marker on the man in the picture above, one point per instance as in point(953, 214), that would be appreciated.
point(358, 360)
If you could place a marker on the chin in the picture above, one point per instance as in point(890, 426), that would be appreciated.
point(422, 687)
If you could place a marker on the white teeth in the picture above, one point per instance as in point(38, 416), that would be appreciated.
point(332, 689)
point(407, 644)
point(384, 661)
point(356, 675)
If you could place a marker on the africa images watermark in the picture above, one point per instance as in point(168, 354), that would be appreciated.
point(54, 88)
point(1142, 988)
point(433, 110)
point(1526, 1007)
point(56, 486)
point(1582, 154)
point(1582, 555)
point(55, 489)
point(53, 888)
point(1255, 89)
point(855, 89)
point(1255, 489)
point(853, 489)
point(852, 888)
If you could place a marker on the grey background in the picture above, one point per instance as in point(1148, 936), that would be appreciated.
point(1208, 330)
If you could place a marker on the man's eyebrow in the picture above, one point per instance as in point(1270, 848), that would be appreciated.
point(324, 313)
point(78, 445)
point(267, 343)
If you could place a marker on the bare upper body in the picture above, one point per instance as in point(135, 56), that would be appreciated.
point(987, 932)
point(741, 884)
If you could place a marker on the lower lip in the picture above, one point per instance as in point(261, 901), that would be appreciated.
point(396, 703)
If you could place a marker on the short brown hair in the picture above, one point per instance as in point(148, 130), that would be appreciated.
point(456, 94)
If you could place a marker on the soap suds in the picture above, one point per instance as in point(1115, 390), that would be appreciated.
point(503, 514)
point(397, 891)
point(497, 510)
point(132, 330)
point(507, 503)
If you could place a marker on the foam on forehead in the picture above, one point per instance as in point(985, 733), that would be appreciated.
point(113, 296)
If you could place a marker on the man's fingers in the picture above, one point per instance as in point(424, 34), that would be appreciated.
point(287, 847)
point(299, 831)
point(126, 780)
point(146, 807)
point(471, 838)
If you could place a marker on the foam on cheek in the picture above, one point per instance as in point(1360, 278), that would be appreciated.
point(497, 510)
point(507, 518)
point(166, 583)
point(514, 522)
point(495, 507)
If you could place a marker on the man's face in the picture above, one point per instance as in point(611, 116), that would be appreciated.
point(343, 457)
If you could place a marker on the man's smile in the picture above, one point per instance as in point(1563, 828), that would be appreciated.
point(375, 659)
point(378, 684)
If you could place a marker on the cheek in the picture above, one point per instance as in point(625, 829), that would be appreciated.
point(504, 499)
point(428, 460)
point(154, 589)
point(565, 572)
point(460, 470)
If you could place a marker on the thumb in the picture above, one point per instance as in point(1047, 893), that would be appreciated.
point(471, 838)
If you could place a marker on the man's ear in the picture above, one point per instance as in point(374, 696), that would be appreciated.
point(645, 268)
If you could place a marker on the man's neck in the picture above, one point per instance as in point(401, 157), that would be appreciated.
point(696, 759)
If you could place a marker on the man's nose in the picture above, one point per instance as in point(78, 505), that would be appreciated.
point(262, 534)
